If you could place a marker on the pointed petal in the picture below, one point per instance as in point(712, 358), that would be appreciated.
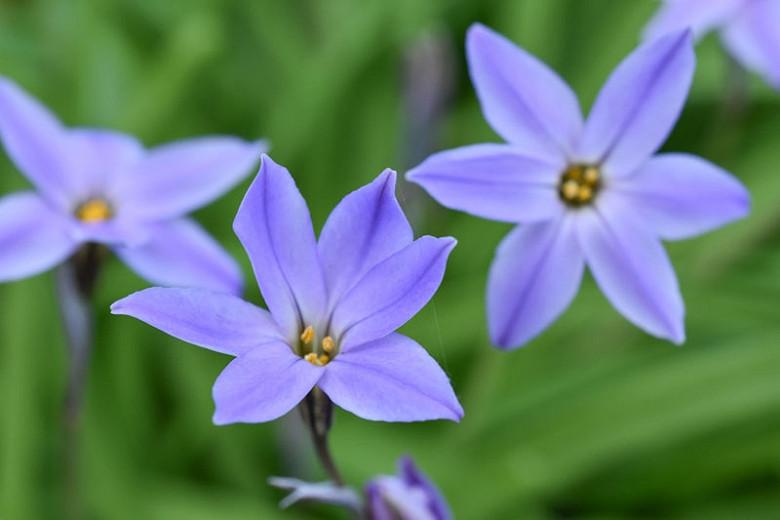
point(753, 38)
point(364, 229)
point(681, 196)
point(220, 322)
point(534, 277)
point(632, 268)
point(33, 238)
point(492, 181)
point(177, 178)
point(180, 253)
point(392, 292)
point(639, 104)
point(262, 385)
point(413, 477)
point(699, 15)
point(390, 498)
point(391, 379)
point(274, 225)
point(523, 100)
point(36, 142)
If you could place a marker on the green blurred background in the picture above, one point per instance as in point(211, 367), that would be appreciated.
point(592, 420)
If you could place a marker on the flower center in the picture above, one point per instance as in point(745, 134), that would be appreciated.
point(94, 210)
point(316, 354)
point(579, 185)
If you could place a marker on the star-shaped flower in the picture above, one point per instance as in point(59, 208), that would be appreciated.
point(750, 29)
point(99, 186)
point(334, 306)
point(585, 192)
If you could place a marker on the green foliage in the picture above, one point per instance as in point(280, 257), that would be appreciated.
point(593, 419)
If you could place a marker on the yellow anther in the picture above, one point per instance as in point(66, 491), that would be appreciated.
point(579, 184)
point(312, 358)
point(591, 175)
point(318, 361)
point(307, 336)
point(94, 210)
point(570, 189)
point(328, 344)
point(585, 194)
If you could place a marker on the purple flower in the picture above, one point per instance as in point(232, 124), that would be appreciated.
point(334, 306)
point(585, 192)
point(749, 29)
point(102, 187)
point(409, 495)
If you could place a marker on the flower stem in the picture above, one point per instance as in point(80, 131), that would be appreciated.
point(75, 284)
point(317, 412)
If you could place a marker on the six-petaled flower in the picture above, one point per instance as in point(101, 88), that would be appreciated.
point(334, 305)
point(100, 186)
point(583, 191)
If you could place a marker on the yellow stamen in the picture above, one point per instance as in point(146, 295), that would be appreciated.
point(318, 361)
point(311, 357)
point(94, 210)
point(328, 344)
point(570, 189)
point(585, 194)
point(307, 336)
point(591, 175)
point(579, 184)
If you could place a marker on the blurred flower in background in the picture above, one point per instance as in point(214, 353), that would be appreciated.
point(334, 306)
point(102, 187)
point(407, 495)
point(749, 29)
point(584, 192)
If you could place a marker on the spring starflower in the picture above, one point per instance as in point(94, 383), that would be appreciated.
point(334, 305)
point(749, 29)
point(407, 495)
point(100, 186)
point(585, 192)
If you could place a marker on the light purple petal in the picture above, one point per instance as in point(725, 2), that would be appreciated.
point(409, 472)
point(390, 498)
point(392, 292)
point(177, 178)
point(492, 181)
point(219, 322)
point(681, 196)
point(534, 277)
point(116, 232)
point(99, 158)
point(699, 15)
point(523, 100)
point(262, 385)
point(364, 229)
point(639, 105)
point(180, 253)
point(33, 238)
point(35, 141)
point(632, 268)
point(274, 225)
point(390, 379)
point(753, 38)
point(318, 492)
